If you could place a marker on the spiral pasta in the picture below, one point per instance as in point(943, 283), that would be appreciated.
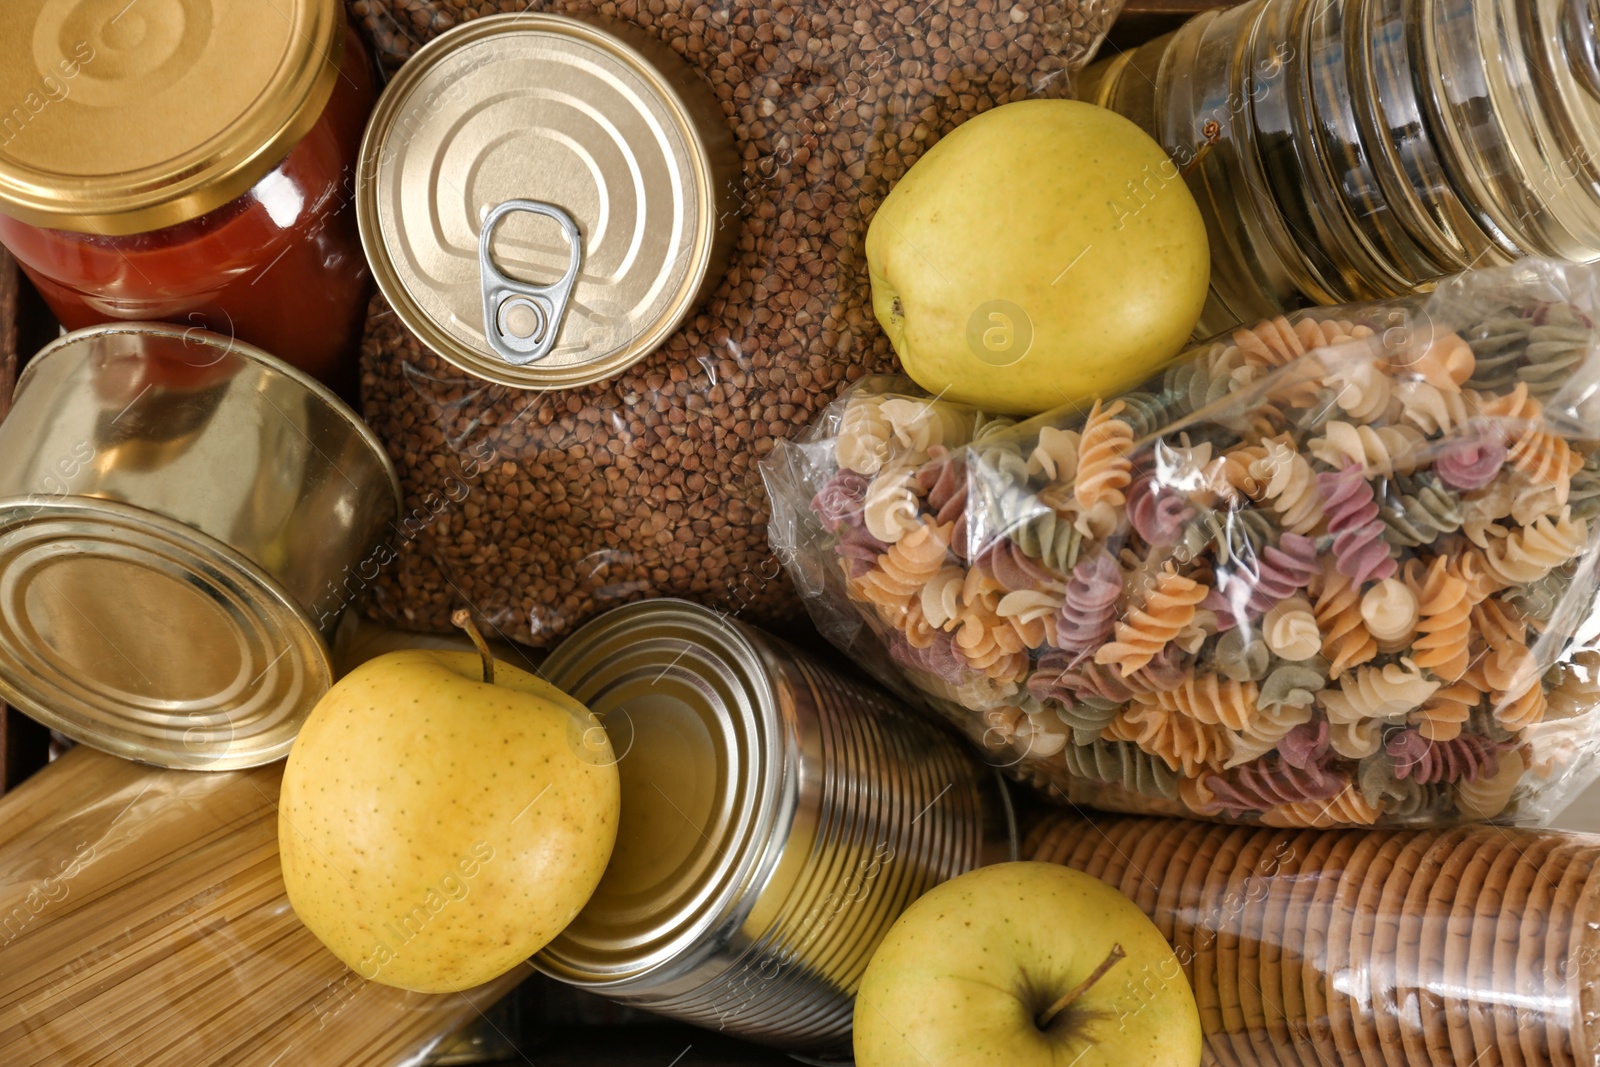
point(905, 568)
point(1347, 808)
point(1167, 609)
point(1488, 795)
point(1444, 604)
point(1032, 613)
point(1577, 686)
point(862, 443)
point(1440, 717)
point(1420, 510)
point(1290, 630)
point(1376, 449)
point(1125, 765)
point(1265, 731)
point(1431, 409)
point(1391, 612)
point(1311, 605)
point(1524, 555)
point(1361, 389)
point(1345, 640)
point(1210, 699)
point(1182, 743)
point(1377, 693)
point(1498, 343)
point(1447, 361)
point(1055, 456)
point(1466, 757)
point(1536, 451)
point(1356, 739)
point(1359, 549)
point(1557, 344)
point(890, 509)
point(1289, 485)
point(1104, 467)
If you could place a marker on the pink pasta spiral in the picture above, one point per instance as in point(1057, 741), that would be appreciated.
point(1272, 780)
point(1015, 570)
point(944, 479)
point(1464, 758)
point(1281, 571)
point(1090, 606)
point(839, 501)
point(1470, 463)
point(1158, 513)
point(858, 549)
point(1164, 673)
point(1359, 550)
point(1083, 678)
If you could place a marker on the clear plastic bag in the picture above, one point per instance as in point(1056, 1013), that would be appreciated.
point(541, 510)
point(1337, 569)
point(1469, 945)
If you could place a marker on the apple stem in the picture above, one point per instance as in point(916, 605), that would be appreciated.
point(463, 618)
point(1076, 991)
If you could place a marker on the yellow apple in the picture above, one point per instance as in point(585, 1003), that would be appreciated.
point(436, 830)
point(1045, 252)
point(1025, 965)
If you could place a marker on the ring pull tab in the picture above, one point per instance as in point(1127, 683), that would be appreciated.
point(522, 320)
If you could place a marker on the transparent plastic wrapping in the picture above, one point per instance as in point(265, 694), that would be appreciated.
point(1336, 569)
point(541, 510)
point(143, 920)
point(1380, 948)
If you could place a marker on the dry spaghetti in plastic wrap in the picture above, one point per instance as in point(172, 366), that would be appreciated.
point(1333, 569)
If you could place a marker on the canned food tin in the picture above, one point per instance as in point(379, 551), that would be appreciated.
point(179, 513)
point(543, 199)
point(777, 817)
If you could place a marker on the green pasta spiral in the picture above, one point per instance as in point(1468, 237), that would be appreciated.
point(1241, 655)
point(1555, 348)
point(1231, 536)
point(1539, 598)
point(1088, 719)
point(1294, 684)
point(1419, 509)
point(1147, 413)
point(1498, 343)
point(1050, 539)
point(1584, 498)
point(1200, 382)
point(1125, 764)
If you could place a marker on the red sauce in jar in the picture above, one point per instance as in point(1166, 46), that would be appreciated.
point(279, 267)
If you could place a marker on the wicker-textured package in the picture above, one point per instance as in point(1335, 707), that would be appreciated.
point(1430, 948)
point(1337, 569)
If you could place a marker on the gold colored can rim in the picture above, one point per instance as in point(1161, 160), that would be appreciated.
point(109, 677)
point(700, 746)
point(617, 133)
point(129, 117)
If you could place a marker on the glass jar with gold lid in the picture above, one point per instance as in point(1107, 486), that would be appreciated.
point(191, 161)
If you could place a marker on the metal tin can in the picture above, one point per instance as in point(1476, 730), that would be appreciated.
point(777, 817)
point(543, 200)
point(177, 510)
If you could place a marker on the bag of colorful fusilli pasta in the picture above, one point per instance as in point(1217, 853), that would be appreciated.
point(1334, 569)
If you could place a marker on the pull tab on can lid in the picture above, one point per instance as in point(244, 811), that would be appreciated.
point(522, 321)
point(543, 200)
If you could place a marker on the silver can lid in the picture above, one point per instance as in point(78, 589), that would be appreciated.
point(543, 199)
point(692, 719)
point(145, 638)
